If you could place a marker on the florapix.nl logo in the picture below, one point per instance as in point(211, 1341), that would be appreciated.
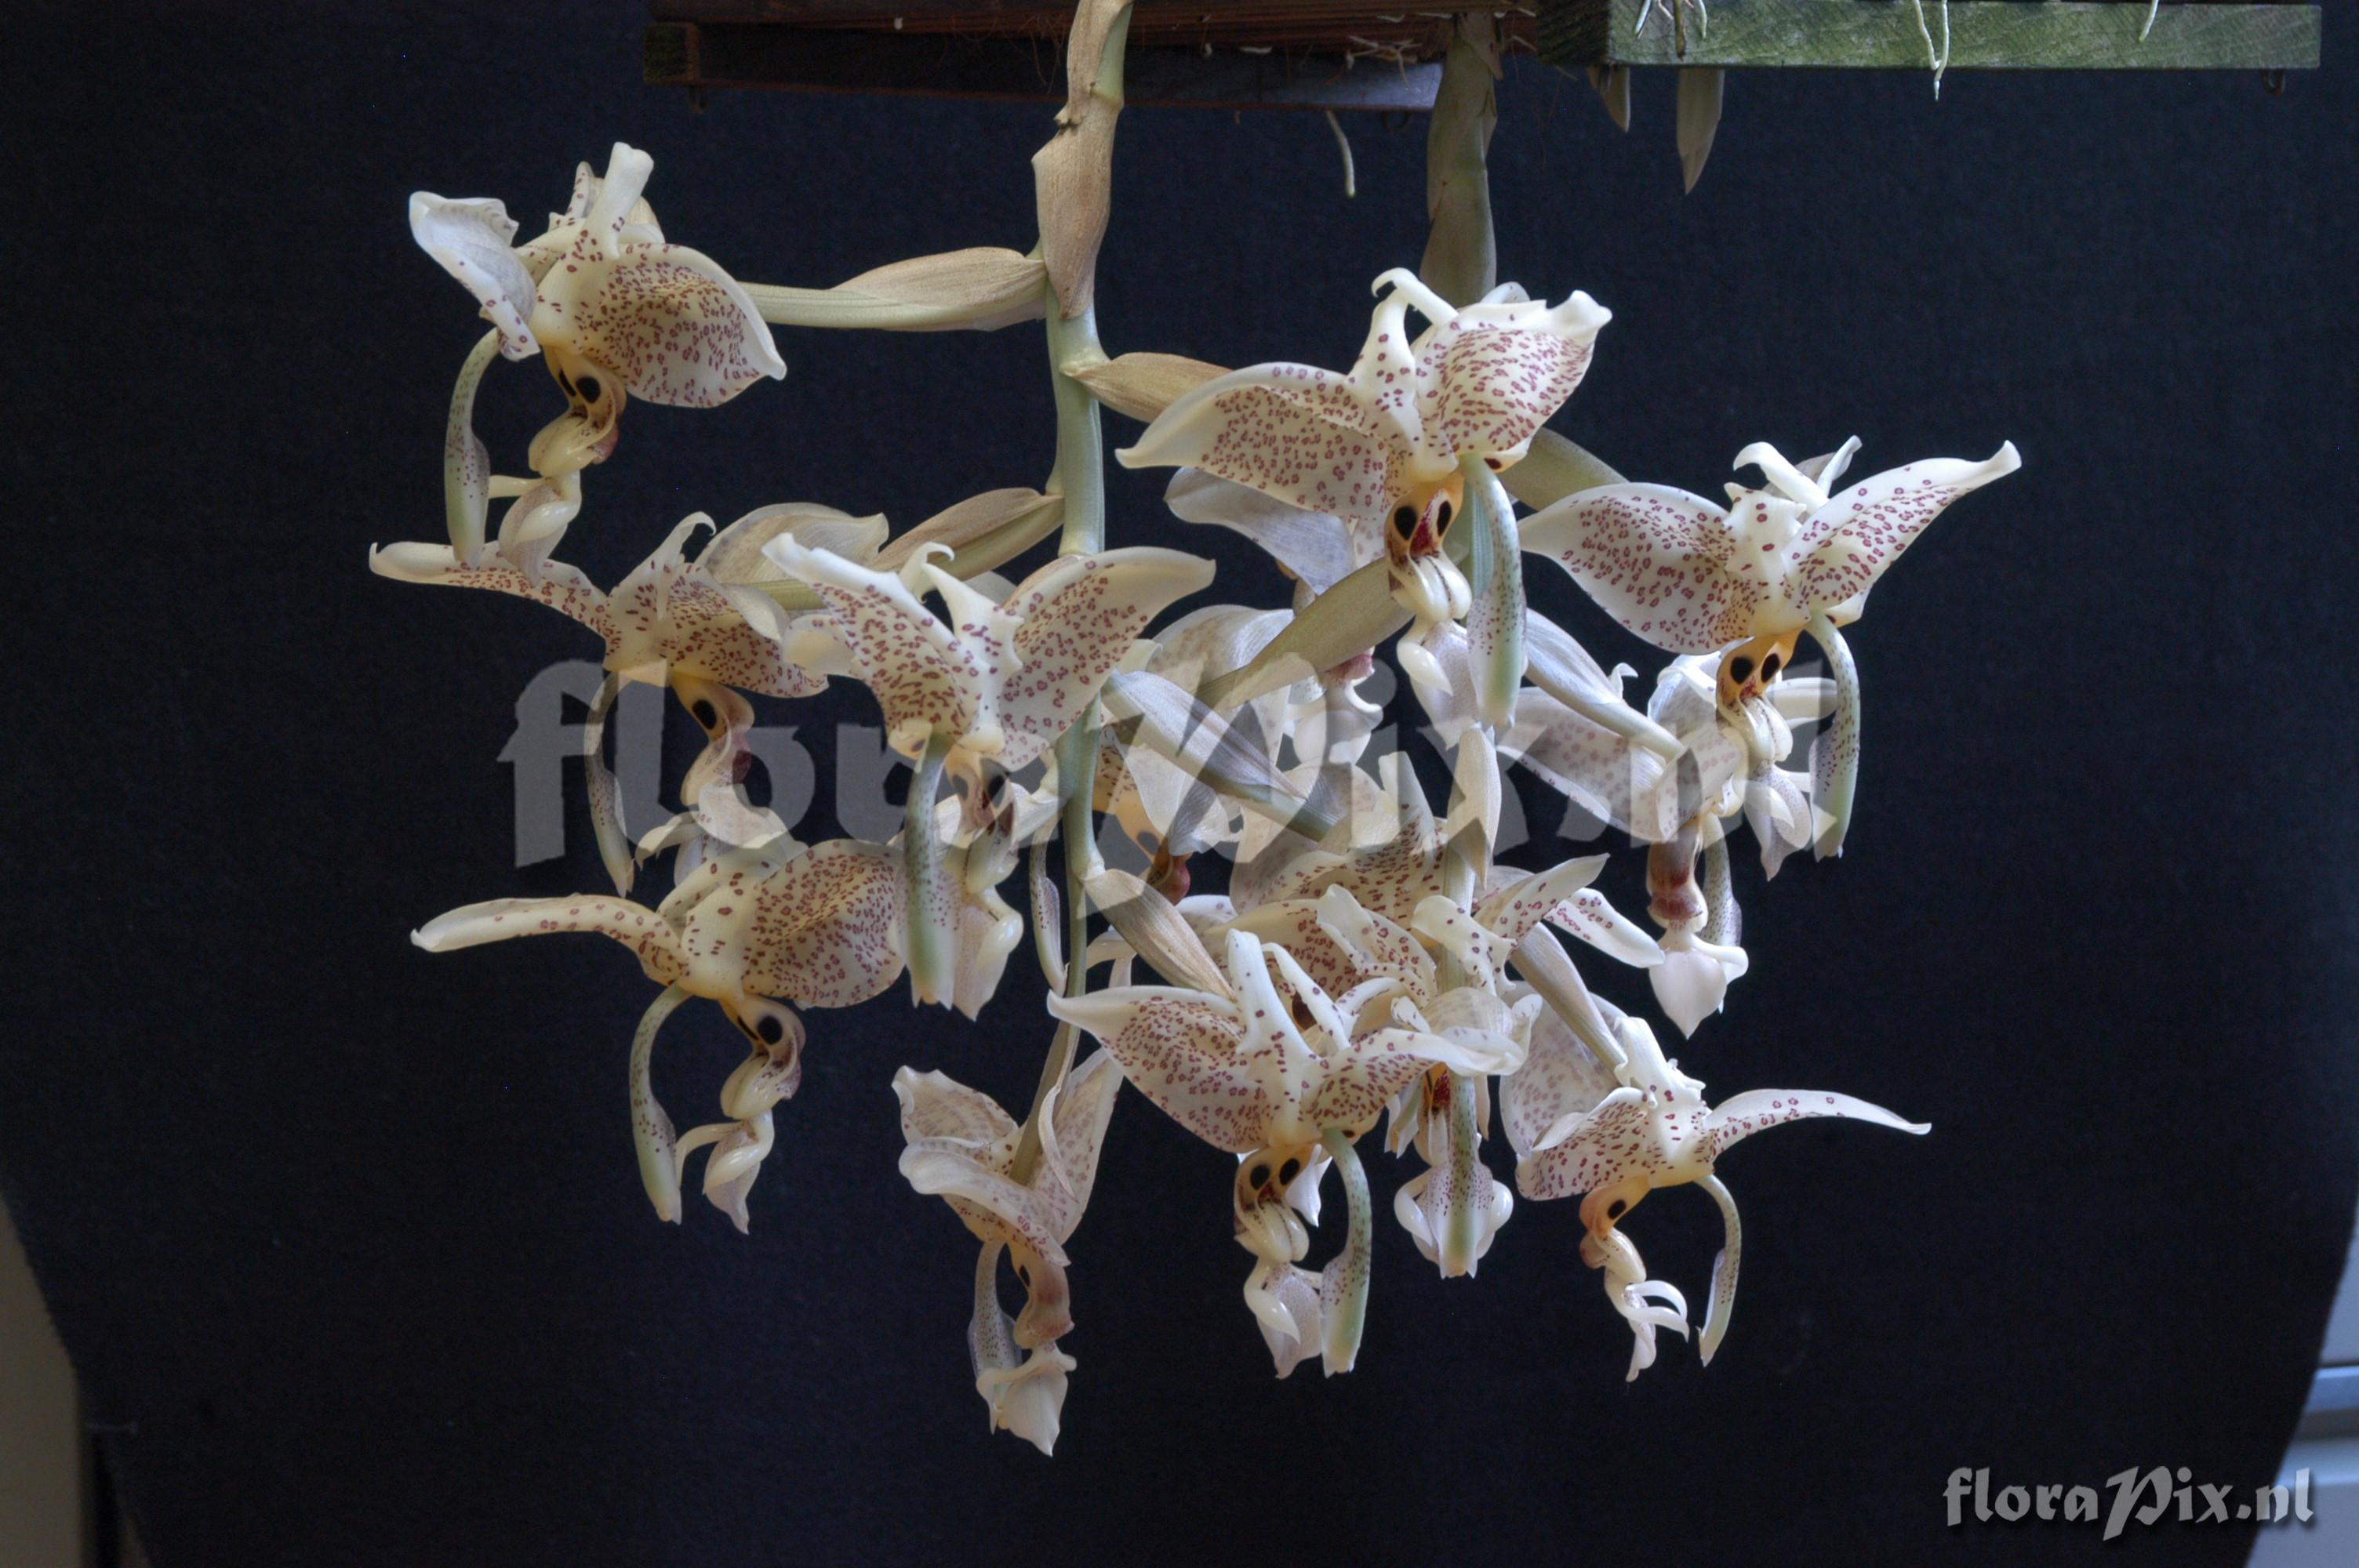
point(549, 736)
point(2131, 1496)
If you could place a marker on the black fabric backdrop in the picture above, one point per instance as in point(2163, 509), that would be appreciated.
point(346, 1240)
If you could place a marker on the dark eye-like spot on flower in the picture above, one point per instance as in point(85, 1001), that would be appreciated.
point(1769, 667)
point(1288, 1171)
point(1258, 1177)
point(1024, 1272)
point(589, 386)
point(706, 714)
point(1404, 518)
point(1739, 667)
point(1617, 1209)
point(1442, 518)
point(772, 1030)
point(1494, 464)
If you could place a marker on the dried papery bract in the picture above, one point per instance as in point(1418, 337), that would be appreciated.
point(981, 288)
point(1144, 385)
point(1073, 173)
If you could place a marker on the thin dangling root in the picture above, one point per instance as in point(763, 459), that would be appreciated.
point(1351, 180)
point(1941, 58)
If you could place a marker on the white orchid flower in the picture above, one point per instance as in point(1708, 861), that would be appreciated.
point(1402, 880)
point(1745, 579)
point(1479, 1025)
point(997, 682)
point(961, 1148)
point(1275, 1069)
point(615, 310)
point(1383, 449)
point(818, 926)
point(1001, 681)
point(675, 615)
point(1651, 1129)
point(1454, 1208)
point(741, 1142)
point(1736, 729)
point(701, 625)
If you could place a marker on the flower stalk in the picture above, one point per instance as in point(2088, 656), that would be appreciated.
point(1346, 1283)
point(1073, 173)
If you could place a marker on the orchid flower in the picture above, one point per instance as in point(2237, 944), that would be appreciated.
point(1000, 681)
point(675, 616)
point(1455, 1207)
point(1383, 449)
point(1403, 879)
point(961, 1148)
point(1448, 963)
point(1175, 770)
point(1745, 580)
point(741, 1142)
point(1271, 1067)
point(616, 311)
point(700, 626)
point(821, 926)
point(1650, 1130)
point(995, 682)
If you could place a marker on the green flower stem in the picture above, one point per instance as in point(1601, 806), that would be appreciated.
point(651, 1130)
point(466, 466)
point(1838, 771)
point(1343, 1285)
point(933, 936)
point(1494, 571)
point(1465, 1138)
point(1080, 479)
point(1718, 895)
point(1080, 473)
point(1077, 774)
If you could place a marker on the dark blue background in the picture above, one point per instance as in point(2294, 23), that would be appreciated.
point(347, 1242)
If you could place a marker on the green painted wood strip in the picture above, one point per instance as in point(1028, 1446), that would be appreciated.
point(1984, 35)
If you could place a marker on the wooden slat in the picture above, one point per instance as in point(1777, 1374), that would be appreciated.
point(1006, 18)
point(936, 64)
point(1984, 35)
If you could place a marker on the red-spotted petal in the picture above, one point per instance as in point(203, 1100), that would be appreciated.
point(1560, 1078)
point(471, 238)
point(935, 1105)
point(1755, 1110)
point(667, 319)
point(1655, 559)
point(1845, 546)
point(1300, 434)
point(1613, 1141)
point(925, 677)
point(560, 587)
point(1075, 619)
point(1181, 1048)
point(636, 926)
point(1492, 374)
point(823, 930)
point(673, 614)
